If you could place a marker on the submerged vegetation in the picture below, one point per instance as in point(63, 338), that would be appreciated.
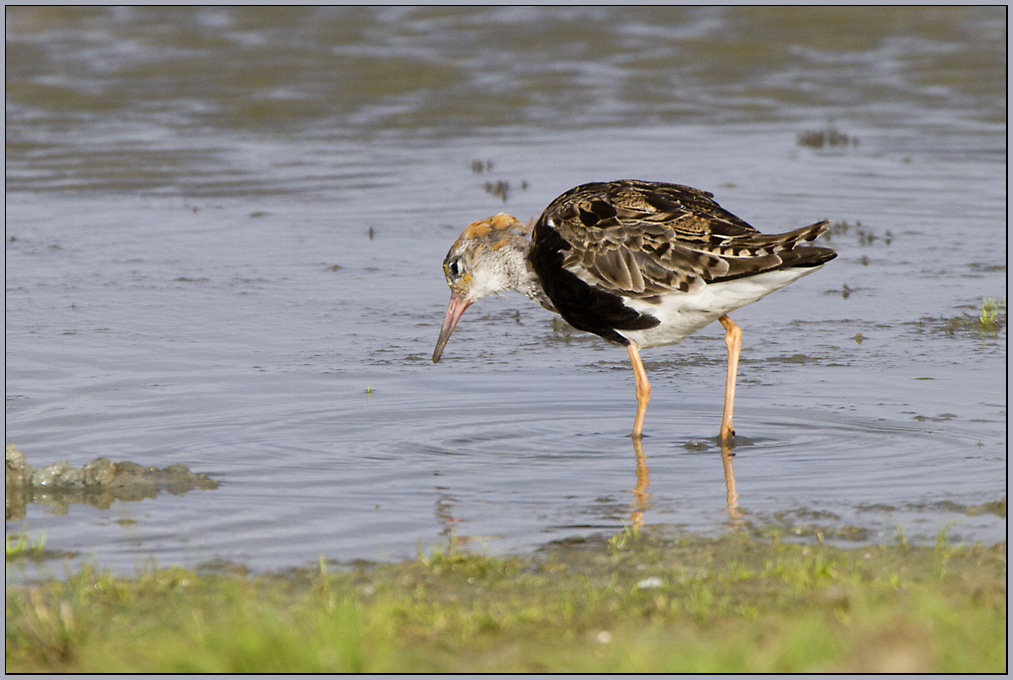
point(829, 136)
point(990, 319)
point(500, 188)
point(638, 602)
point(865, 236)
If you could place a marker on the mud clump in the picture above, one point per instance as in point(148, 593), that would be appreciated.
point(830, 136)
point(98, 483)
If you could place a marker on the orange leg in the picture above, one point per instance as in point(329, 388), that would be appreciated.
point(733, 340)
point(643, 389)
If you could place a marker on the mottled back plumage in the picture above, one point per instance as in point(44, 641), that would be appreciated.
point(643, 239)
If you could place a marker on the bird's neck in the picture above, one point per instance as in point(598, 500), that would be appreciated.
point(532, 288)
point(521, 277)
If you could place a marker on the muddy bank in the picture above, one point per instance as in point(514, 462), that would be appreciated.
point(97, 483)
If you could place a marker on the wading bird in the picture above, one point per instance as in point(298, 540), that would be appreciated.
point(640, 264)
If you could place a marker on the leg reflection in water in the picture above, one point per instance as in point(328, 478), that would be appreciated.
point(641, 497)
point(731, 497)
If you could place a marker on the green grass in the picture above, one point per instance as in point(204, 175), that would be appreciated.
point(637, 603)
point(19, 546)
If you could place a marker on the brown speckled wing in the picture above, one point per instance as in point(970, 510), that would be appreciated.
point(643, 239)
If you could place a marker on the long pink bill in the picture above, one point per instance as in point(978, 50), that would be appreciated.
point(454, 311)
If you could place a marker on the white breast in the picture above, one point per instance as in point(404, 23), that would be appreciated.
point(682, 314)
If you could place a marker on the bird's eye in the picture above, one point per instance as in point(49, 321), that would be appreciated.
point(455, 268)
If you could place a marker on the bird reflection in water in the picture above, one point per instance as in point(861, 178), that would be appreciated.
point(446, 504)
point(640, 494)
point(641, 497)
point(731, 496)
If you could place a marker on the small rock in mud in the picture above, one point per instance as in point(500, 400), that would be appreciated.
point(98, 483)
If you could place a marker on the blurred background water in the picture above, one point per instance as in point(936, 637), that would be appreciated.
point(224, 224)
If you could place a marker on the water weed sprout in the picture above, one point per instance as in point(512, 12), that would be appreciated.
point(990, 310)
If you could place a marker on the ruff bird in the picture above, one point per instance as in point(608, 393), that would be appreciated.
point(640, 264)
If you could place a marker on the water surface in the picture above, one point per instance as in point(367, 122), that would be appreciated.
point(224, 236)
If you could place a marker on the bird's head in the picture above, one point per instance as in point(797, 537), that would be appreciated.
point(487, 258)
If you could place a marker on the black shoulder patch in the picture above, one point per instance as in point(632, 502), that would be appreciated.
point(583, 306)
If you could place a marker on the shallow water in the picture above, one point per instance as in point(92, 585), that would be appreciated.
point(224, 225)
